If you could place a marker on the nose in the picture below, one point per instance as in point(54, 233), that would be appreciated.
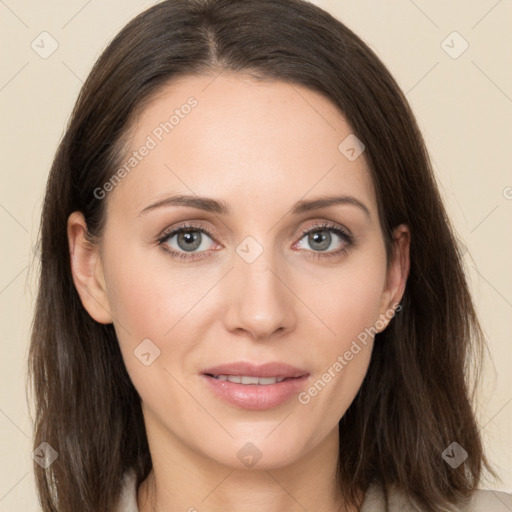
point(260, 302)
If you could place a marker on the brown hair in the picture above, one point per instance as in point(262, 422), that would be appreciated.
point(415, 399)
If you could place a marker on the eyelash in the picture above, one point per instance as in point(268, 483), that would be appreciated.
point(320, 255)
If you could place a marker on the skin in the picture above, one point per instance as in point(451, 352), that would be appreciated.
point(260, 147)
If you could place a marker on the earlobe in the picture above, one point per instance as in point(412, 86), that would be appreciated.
point(87, 270)
point(397, 273)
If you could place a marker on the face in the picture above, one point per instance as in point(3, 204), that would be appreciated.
point(258, 273)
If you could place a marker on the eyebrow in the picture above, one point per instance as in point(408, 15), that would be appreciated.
point(220, 207)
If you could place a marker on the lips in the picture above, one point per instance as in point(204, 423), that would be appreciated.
point(255, 386)
point(247, 369)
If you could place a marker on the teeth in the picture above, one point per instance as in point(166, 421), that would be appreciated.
point(242, 379)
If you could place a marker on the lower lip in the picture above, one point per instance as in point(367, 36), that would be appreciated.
point(256, 396)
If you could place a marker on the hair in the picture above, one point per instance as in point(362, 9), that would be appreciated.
point(416, 397)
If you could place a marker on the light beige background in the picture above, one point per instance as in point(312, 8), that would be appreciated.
point(463, 106)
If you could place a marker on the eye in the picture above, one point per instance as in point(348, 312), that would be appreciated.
point(185, 241)
point(191, 241)
point(320, 239)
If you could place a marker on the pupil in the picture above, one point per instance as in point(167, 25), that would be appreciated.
point(322, 239)
point(189, 241)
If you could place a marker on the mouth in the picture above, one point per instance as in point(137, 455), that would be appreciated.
point(255, 387)
point(249, 380)
point(246, 370)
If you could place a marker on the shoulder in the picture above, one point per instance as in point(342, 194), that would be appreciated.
point(484, 500)
point(128, 498)
point(481, 501)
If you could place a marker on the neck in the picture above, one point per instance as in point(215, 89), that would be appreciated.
point(184, 480)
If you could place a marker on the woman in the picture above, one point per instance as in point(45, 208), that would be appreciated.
point(193, 348)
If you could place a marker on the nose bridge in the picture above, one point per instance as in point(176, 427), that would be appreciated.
point(259, 301)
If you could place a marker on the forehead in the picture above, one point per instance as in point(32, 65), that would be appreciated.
point(232, 137)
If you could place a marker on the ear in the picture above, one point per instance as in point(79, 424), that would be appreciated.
point(87, 270)
point(397, 274)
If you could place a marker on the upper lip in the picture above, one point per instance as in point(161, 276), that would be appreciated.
point(273, 369)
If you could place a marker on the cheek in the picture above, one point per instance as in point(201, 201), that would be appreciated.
point(153, 298)
point(347, 299)
point(153, 314)
point(149, 295)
